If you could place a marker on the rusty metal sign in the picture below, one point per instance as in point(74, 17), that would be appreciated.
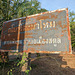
point(42, 33)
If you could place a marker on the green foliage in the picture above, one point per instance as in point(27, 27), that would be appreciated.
point(20, 64)
point(11, 9)
point(72, 28)
point(10, 72)
point(27, 71)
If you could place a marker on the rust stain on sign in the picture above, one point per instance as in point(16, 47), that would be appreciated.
point(42, 33)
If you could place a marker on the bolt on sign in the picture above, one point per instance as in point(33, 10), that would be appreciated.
point(42, 33)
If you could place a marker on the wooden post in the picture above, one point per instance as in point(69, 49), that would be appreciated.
point(18, 36)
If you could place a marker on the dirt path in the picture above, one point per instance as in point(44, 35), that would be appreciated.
point(46, 64)
point(53, 65)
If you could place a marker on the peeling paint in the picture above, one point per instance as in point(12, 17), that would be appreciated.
point(33, 33)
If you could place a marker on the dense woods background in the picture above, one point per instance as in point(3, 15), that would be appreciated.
point(11, 9)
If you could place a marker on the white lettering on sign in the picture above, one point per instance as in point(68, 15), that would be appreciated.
point(45, 41)
point(45, 24)
point(58, 40)
point(53, 23)
point(54, 40)
point(38, 26)
point(50, 40)
point(50, 24)
point(55, 45)
point(37, 41)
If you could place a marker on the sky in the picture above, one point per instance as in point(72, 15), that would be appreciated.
point(57, 4)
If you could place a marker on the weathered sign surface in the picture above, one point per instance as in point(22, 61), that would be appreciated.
point(44, 32)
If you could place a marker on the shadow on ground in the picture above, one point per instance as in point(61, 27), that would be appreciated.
point(52, 64)
point(45, 64)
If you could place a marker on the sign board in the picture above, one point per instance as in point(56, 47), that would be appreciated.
point(42, 33)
